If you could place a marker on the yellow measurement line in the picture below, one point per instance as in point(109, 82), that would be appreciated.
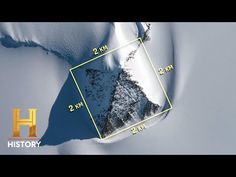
point(85, 104)
point(143, 121)
point(156, 75)
point(103, 54)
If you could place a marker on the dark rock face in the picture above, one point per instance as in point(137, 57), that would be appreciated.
point(127, 103)
point(99, 89)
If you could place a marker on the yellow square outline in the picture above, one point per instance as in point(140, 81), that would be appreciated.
point(97, 57)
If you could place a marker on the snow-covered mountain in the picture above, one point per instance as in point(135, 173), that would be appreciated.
point(115, 98)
